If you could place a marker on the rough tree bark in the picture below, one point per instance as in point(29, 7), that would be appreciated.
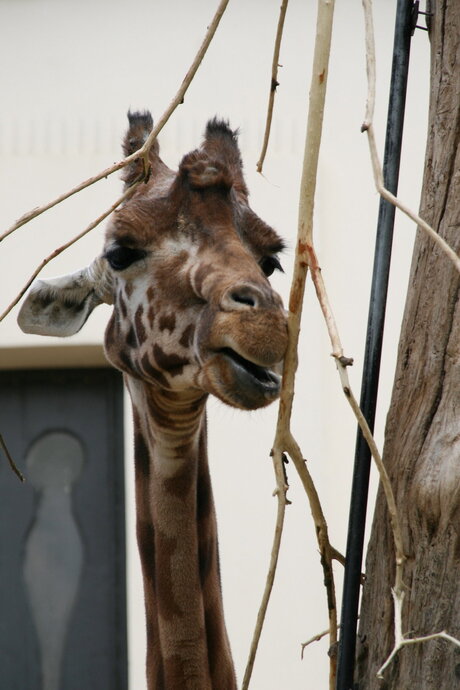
point(422, 438)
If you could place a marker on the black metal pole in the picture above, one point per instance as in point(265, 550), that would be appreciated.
point(375, 325)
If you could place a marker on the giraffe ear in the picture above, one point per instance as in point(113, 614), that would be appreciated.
point(61, 306)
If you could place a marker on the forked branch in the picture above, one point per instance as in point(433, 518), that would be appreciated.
point(402, 641)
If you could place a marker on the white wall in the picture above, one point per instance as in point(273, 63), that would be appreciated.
point(73, 69)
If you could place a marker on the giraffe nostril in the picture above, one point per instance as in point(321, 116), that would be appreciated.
point(244, 298)
point(247, 296)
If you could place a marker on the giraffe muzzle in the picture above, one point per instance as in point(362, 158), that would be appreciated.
point(242, 383)
point(266, 377)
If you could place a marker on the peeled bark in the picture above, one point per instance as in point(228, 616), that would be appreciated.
point(422, 438)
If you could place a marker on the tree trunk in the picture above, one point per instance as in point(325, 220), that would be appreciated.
point(422, 438)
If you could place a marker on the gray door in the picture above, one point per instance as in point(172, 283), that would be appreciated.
point(62, 540)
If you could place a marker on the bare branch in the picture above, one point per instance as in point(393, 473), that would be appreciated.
point(315, 638)
point(327, 553)
point(13, 465)
point(143, 151)
point(273, 84)
point(368, 127)
point(127, 194)
point(179, 97)
point(378, 178)
point(34, 213)
point(342, 363)
point(280, 492)
point(337, 556)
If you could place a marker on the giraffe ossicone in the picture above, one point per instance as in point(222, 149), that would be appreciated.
point(185, 264)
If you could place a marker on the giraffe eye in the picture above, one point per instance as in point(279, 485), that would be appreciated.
point(121, 257)
point(269, 264)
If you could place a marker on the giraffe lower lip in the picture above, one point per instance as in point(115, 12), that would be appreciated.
point(264, 376)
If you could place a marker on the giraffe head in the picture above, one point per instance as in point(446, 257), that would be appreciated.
point(185, 265)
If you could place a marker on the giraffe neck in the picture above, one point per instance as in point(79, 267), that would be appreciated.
point(187, 644)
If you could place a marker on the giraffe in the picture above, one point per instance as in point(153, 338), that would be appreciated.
point(185, 265)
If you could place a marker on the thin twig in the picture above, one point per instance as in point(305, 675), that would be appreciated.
point(326, 551)
point(143, 151)
point(337, 556)
point(273, 84)
point(368, 127)
point(179, 97)
point(127, 194)
point(280, 491)
point(342, 366)
point(35, 212)
point(392, 199)
point(315, 638)
point(13, 465)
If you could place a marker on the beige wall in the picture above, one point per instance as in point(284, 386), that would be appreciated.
point(73, 69)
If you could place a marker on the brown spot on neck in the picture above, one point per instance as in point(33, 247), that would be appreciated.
point(151, 315)
point(140, 328)
point(122, 305)
point(172, 363)
point(153, 372)
point(167, 322)
point(186, 338)
point(141, 454)
point(131, 339)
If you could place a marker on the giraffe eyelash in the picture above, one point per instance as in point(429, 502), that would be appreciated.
point(269, 264)
point(121, 257)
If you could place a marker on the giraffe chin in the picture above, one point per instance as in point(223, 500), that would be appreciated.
point(241, 383)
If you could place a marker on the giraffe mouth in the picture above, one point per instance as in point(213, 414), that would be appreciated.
point(264, 376)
